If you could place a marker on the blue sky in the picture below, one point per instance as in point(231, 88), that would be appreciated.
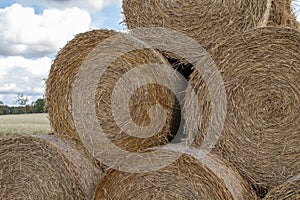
point(33, 31)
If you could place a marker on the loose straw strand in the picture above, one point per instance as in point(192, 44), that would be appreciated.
point(267, 14)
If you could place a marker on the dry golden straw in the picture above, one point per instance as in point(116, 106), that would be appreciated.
point(63, 74)
point(45, 167)
point(261, 70)
point(187, 178)
point(207, 21)
point(288, 190)
point(279, 13)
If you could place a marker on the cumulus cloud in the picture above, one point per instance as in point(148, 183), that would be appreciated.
point(25, 33)
point(21, 75)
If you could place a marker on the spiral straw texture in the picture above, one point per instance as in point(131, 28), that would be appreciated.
point(61, 77)
point(288, 190)
point(63, 74)
point(208, 21)
point(190, 177)
point(45, 167)
point(261, 70)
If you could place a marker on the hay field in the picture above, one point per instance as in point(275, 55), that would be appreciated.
point(28, 124)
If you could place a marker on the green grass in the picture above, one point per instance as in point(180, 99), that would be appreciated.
point(29, 124)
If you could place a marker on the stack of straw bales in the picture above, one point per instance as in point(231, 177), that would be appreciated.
point(209, 181)
point(255, 45)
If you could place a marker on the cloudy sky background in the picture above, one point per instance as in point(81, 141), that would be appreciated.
point(32, 32)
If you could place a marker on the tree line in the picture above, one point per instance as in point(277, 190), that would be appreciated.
point(37, 106)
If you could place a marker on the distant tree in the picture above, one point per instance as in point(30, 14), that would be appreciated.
point(2, 108)
point(18, 110)
point(7, 110)
point(29, 109)
point(40, 105)
point(22, 100)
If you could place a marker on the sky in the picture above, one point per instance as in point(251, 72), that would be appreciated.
point(32, 32)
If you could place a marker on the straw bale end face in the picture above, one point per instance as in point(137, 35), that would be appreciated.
point(65, 71)
point(261, 70)
point(62, 76)
point(43, 168)
point(140, 103)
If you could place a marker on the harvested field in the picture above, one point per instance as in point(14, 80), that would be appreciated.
point(27, 124)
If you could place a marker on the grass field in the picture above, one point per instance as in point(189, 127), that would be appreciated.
point(29, 124)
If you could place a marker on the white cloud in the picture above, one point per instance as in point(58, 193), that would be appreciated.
point(99, 4)
point(25, 33)
point(38, 67)
point(296, 8)
point(90, 5)
point(104, 13)
point(21, 75)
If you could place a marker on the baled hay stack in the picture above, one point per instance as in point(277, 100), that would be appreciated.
point(189, 177)
point(207, 21)
point(260, 70)
point(288, 190)
point(63, 74)
point(45, 167)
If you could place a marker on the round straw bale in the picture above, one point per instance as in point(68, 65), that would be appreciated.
point(207, 21)
point(192, 176)
point(63, 74)
point(288, 190)
point(260, 70)
point(45, 167)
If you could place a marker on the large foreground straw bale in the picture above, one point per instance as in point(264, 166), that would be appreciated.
point(260, 70)
point(45, 167)
point(189, 177)
point(63, 75)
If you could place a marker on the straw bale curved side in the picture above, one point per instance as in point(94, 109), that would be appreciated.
point(208, 21)
point(190, 177)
